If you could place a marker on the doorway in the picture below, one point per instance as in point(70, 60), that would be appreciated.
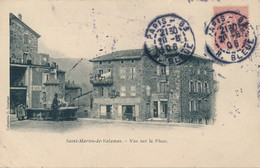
point(155, 109)
point(164, 108)
point(17, 96)
point(128, 111)
point(109, 111)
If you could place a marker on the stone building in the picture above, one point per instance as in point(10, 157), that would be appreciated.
point(128, 85)
point(33, 79)
point(72, 91)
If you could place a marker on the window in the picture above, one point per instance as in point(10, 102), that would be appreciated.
point(158, 70)
point(205, 72)
point(163, 87)
point(25, 57)
point(101, 91)
point(133, 61)
point(192, 105)
point(148, 90)
point(44, 97)
point(109, 62)
point(45, 77)
point(163, 70)
point(199, 105)
point(198, 71)
point(122, 62)
point(206, 87)
point(191, 87)
point(26, 39)
point(132, 71)
point(123, 91)
point(91, 102)
point(199, 87)
point(132, 91)
point(100, 62)
point(122, 73)
point(100, 72)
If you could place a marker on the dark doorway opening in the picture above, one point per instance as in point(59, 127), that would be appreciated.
point(17, 96)
point(109, 111)
point(155, 109)
point(128, 112)
point(164, 108)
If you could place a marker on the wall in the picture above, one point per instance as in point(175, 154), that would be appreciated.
point(194, 70)
point(117, 81)
point(17, 46)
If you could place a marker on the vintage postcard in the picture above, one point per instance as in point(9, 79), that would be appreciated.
point(130, 83)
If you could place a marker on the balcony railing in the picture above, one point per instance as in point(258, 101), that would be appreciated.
point(101, 80)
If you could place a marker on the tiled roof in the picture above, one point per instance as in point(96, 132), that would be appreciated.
point(12, 16)
point(120, 55)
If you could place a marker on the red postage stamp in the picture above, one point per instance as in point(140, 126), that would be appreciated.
point(230, 36)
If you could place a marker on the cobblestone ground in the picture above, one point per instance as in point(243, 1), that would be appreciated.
point(87, 123)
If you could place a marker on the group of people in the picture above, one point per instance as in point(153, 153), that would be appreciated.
point(20, 109)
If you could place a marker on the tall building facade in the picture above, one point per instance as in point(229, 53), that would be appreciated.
point(33, 79)
point(128, 85)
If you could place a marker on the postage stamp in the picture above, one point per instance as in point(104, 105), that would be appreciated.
point(230, 37)
point(169, 38)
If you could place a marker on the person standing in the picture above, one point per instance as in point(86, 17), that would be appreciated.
point(55, 106)
point(21, 112)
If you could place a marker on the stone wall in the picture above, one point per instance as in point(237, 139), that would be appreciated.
point(197, 70)
point(17, 45)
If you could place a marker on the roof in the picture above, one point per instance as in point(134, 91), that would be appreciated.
point(12, 16)
point(52, 82)
point(70, 85)
point(120, 55)
point(59, 70)
point(131, 54)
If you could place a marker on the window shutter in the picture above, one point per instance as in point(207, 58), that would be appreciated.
point(158, 70)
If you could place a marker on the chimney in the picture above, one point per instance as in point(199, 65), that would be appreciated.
point(20, 16)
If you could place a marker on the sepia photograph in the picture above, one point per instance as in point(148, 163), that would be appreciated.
point(130, 83)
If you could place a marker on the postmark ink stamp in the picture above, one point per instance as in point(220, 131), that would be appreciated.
point(230, 37)
point(169, 40)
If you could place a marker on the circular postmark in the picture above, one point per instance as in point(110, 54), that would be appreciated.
point(229, 37)
point(169, 40)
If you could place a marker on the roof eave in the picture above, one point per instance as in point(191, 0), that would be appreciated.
point(116, 59)
point(25, 25)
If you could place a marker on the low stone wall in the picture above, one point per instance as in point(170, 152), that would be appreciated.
point(64, 113)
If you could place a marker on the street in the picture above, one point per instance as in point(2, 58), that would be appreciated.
point(110, 143)
point(88, 123)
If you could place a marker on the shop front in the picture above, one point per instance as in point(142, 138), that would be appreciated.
point(118, 109)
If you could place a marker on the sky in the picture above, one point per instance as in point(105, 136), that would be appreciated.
point(86, 29)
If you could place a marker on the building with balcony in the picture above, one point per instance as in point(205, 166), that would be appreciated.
point(33, 79)
point(128, 85)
